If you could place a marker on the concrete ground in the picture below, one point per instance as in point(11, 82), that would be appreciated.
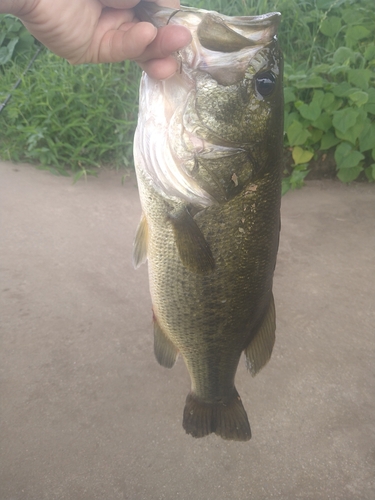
point(88, 414)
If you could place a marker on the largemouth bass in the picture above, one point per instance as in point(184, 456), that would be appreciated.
point(207, 154)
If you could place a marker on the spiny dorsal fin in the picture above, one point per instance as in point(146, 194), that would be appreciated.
point(192, 246)
point(259, 351)
point(165, 351)
point(140, 243)
point(214, 34)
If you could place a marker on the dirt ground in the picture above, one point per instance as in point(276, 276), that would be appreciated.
point(88, 414)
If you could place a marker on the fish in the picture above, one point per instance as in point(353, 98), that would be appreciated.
point(207, 153)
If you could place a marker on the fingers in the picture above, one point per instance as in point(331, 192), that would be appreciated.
point(128, 4)
point(169, 39)
point(156, 60)
point(103, 31)
point(173, 4)
point(128, 42)
point(121, 4)
point(143, 43)
point(160, 69)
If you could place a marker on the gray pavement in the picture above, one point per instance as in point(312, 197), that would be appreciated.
point(88, 414)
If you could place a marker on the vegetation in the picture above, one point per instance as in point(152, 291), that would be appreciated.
point(78, 118)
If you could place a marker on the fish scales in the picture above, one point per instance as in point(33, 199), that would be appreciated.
point(209, 176)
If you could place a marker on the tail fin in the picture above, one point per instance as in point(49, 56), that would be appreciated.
point(227, 421)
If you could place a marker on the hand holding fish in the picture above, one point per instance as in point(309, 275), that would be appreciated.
point(102, 31)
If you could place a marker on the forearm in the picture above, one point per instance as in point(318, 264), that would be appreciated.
point(16, 7)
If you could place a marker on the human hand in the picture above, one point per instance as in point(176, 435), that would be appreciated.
point(102, 31)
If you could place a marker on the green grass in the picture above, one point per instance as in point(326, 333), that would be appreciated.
point(79, 118)
point(70, 118)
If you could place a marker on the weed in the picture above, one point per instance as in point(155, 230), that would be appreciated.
point(79, 118)
point(15, 40)
point(67, 117)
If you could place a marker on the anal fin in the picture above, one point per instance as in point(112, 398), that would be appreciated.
point(259, 351)
point(140, 243)
point(165, 351)
point(194, 251)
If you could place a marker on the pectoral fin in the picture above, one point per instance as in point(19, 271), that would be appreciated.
point(259, 351)
point(165, 351)
point(192, 246)
point(140, 243)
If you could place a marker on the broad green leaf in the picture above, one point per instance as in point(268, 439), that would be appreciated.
point(26, 41)
point(285, 186)
point(359, 97)
point(289, 95)
point(330, 26)
point(301, 155)
point(342, 89)
point(373, 154)
point(370, 52)
point(297, 177)
point(349, 174)
point(360, 77)
point(351, 15)
point(357, 33)
point(369, 107)
point(344, 119)
point(311, 82)
point(346, 156)
point(318, 97)
point(322, 68)
point(328, 100)
point(323, 4)
point(337, 104)
point(11, 45)
point(336, 69)
point(342, 55)
point(297, 135)
point(315, 135)
point(370, 172)
point(14, 25)
point(295, 75)
point(328, 141)
point(352, 134)
point(4, 55)
point(289, 118)
point(310, 111)
point(324, 122)
point(367, 137)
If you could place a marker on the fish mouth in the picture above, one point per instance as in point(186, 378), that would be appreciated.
point(216, 37)
point(258, 29)
point(221, 47)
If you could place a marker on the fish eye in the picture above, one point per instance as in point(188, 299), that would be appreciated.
point(265, 83)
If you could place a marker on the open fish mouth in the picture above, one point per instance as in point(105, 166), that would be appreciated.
point(170, 134)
